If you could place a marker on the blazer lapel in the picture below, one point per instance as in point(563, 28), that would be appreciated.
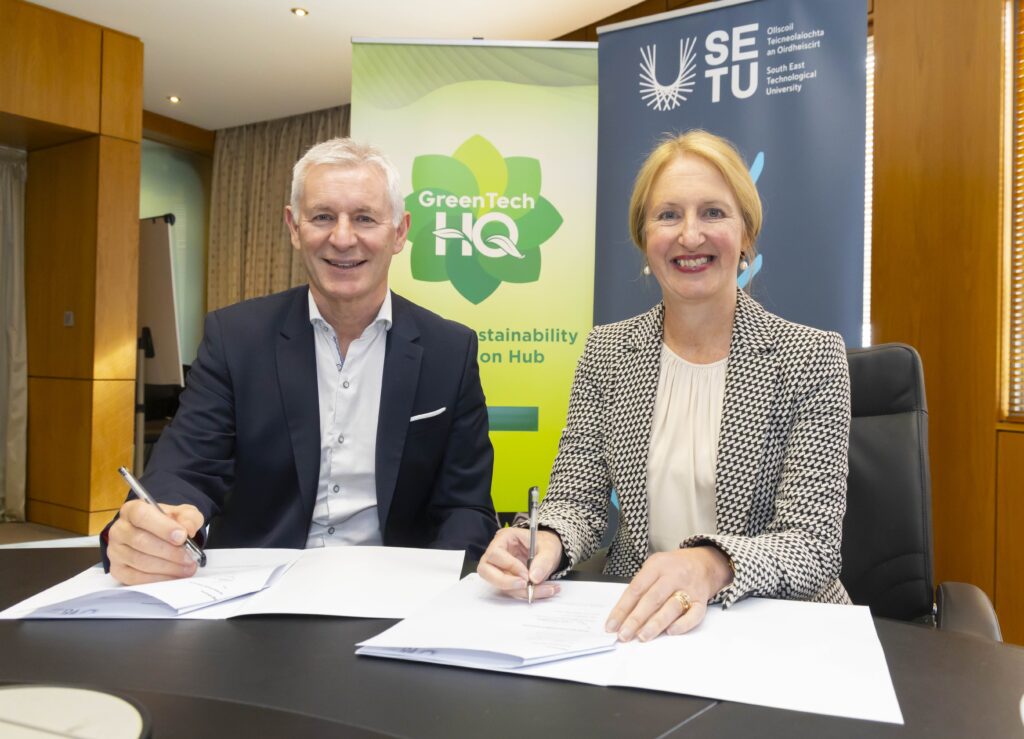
point(632, 425)
point(750, 386)
point(296, 371)
point(402, 358)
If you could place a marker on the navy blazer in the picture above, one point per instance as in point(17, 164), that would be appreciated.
point(244, 447)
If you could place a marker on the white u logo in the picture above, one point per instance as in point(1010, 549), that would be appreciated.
point(668, 97)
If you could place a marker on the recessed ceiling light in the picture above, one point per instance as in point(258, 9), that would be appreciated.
point(301, 12)
point(174, 99)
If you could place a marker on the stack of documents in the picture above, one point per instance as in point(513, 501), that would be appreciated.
point(472, 625)
point(814, 657)
point(372, 582)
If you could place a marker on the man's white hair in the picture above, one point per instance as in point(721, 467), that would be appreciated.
point(348, 153)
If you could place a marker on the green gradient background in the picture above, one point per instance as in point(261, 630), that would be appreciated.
point(411, 100)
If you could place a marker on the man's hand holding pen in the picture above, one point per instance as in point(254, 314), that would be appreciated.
point(147, 545)
point(150, 542)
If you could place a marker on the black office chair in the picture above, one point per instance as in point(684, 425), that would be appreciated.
point(160, 403)
point(887, 543)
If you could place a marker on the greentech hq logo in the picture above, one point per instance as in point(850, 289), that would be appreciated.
point(478, 219)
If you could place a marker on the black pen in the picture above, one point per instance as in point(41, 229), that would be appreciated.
point(197, 554)
point(534, 499)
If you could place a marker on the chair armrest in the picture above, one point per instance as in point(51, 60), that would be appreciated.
point(965, 608)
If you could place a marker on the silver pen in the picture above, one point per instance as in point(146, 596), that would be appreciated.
point(197, 554)
point(534, 500)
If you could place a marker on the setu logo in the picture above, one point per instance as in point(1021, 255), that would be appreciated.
point(728, 54)
point(668, 97)
point(478, 219)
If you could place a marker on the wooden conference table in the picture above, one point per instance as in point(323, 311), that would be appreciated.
point(298, 677)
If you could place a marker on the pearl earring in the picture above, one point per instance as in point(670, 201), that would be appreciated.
point(744, 264)
point(647, 270)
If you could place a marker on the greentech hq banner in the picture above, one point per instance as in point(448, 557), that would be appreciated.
point(497, 146)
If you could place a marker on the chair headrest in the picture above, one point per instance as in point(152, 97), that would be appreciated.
point(886, 379)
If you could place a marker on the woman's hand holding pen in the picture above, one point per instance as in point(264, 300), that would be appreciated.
point(145, 545)
point(504, 563)
point(670, 593)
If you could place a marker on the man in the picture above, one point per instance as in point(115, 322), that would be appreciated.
point(333, 413)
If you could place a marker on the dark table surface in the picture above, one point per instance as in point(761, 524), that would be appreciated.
point(298, 676)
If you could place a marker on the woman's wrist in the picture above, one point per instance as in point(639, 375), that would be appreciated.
point(721, 570)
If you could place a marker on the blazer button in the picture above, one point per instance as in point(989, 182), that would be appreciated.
point(330, 530)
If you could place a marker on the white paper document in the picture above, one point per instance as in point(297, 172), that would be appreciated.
point(368, 582)
point(814, 657)
point(453, 632)
point(375, 582)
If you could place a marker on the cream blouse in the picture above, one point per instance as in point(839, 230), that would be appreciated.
point(684, 450)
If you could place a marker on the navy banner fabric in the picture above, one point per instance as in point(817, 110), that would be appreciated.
point(784, 80)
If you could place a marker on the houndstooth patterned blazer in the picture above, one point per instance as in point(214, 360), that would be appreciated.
point(780, 482)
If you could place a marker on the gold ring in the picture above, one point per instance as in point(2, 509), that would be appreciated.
point(684, 601)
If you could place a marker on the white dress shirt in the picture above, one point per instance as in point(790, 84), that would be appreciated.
point(349, 389)
point(684, 450)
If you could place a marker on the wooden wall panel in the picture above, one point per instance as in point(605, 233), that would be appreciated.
point(121, 97)
point(69, 519)
point(50, 66)
point(937, 245)
point(61, 197)
point(59, 79)
point(156, 127)
point(113, 438)
point(81, 244)
point(644, 9)
point(80, 432)
point(640, 10)
point(59, 441)
point(26, 133)
point(1009, 547)
point(117, 260)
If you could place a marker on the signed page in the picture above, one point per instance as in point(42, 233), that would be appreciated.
point(475, 626)
point(368, 582)
point(229, 574)
point(815, 657)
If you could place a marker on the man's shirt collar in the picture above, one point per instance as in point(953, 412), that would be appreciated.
point(383, 315)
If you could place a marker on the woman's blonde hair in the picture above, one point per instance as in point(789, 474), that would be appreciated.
point(717, 151)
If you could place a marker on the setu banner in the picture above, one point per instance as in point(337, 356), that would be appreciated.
point(496, 144)
point(784, 80)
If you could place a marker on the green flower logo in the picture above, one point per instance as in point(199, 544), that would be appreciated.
point(478, 219)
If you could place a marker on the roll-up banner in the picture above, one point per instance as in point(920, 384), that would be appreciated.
point(784, 80)
point(497, 147)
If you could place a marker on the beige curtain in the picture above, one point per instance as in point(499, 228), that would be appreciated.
point(13, 358)
point(249, 252)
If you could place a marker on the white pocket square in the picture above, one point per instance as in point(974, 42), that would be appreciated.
point(421, 416)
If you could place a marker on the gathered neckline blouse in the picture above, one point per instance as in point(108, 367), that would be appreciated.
point(684, 450)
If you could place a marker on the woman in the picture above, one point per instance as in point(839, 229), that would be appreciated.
point(723, 428)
